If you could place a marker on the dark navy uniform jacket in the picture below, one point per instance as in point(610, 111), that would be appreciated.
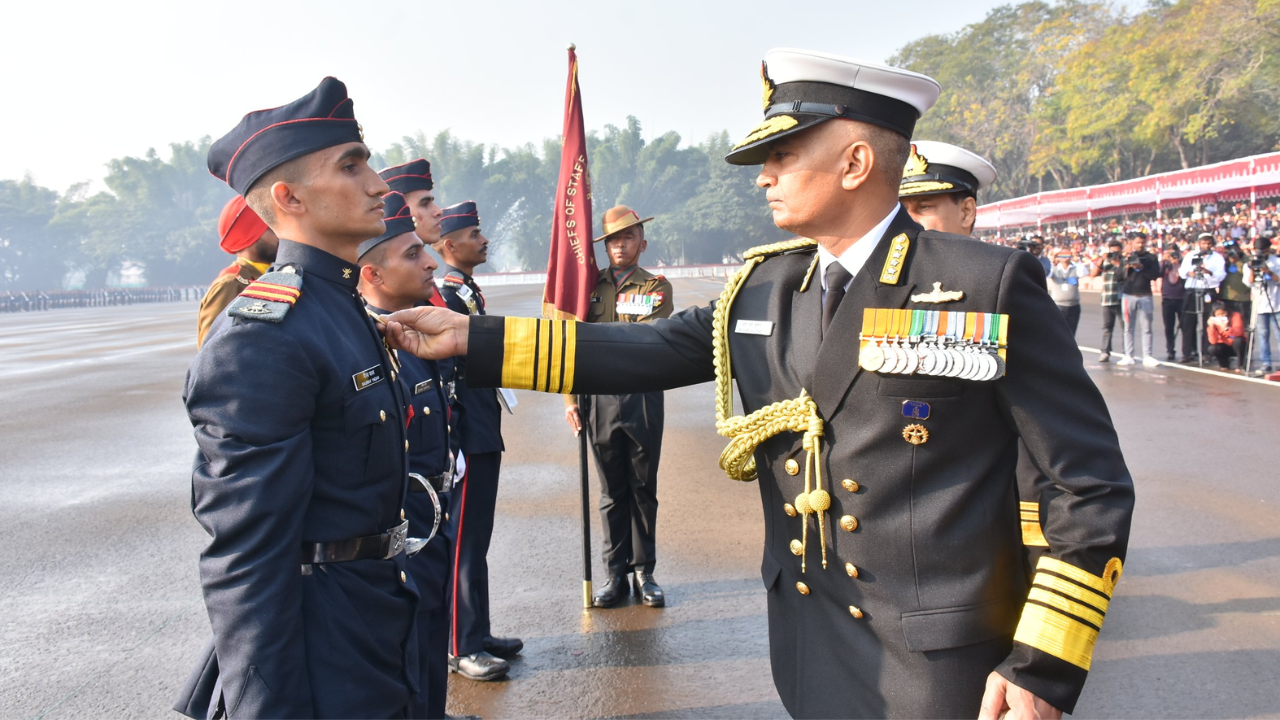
point(481, 421)
point(292, 449)
point(924, 591)
point(432, 445)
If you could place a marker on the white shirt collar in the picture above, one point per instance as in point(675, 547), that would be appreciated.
point(855, 256)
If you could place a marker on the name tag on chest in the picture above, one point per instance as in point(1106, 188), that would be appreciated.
point(365, 378)
point(754, 327)
point(423, 386)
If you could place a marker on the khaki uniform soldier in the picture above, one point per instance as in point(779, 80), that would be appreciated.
point(626, 430)
point(886, 373)
point(243, 234)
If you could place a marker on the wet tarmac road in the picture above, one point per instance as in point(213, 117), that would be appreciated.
point(100, 610)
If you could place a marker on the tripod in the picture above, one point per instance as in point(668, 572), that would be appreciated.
point(1263, 287)
point(1201, 341)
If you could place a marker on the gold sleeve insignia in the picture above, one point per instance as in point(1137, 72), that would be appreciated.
point(539, 354)
point(1065, 609)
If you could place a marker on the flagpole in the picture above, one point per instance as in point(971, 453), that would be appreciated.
point(586, 512)
point(585, 485)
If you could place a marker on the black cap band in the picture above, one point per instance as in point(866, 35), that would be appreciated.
point(819, 98)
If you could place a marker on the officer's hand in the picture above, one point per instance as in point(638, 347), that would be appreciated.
point(431, 333)
point(1005, 701)
point(574, 418)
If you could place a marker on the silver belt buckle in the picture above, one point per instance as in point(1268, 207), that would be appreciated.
point(398, 535)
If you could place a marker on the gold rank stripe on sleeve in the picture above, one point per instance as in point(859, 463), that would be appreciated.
point(1065, 609)
point(1032, 535)
point(539, 354)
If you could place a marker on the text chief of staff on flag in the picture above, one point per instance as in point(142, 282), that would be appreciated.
point(892, 561)
point(571, 267)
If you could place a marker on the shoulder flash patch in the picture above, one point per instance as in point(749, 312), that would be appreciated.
point(270, 296)
point(780, 248)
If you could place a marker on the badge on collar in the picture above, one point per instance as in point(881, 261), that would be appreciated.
point(366, 378)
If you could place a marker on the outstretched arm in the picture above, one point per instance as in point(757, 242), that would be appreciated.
point(431, 333)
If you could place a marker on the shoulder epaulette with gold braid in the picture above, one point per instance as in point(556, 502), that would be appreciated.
point(270, 296)
point(745, 433)
point(779, 247)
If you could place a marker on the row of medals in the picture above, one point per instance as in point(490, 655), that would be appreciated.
point(962, 359)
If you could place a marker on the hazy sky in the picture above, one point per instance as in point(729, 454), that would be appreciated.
point(85, 82)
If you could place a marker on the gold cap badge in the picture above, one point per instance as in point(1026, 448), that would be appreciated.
point(917, 164)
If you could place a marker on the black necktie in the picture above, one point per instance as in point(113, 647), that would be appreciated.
point(837, 277)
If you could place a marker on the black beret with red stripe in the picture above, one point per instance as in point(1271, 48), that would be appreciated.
point(266, 139)
point(457, 217)
point(413, 175)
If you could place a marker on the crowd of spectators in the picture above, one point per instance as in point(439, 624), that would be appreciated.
point(12, 301)
point(1214, 270)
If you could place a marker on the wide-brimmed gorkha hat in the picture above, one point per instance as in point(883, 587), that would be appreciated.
point(619, 218)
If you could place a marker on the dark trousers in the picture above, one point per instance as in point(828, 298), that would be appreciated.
point(1071, 313)
point(626, 439)
point(1193, 325)
point(471, 508)
point(1109, 315)
point(1171, 311)
point(432, 570)
point(1222, 352)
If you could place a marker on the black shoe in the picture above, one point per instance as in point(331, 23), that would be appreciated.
point(648, 590)
point(504, 648)
point(480, 666)
point(1171, 356)
point(613, 590)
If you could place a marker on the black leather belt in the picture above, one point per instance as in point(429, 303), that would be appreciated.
point(371, 547)
point(437, 483)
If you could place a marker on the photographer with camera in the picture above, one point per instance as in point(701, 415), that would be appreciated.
point(1110, 267)
point(1035, 246)
point(1263, 276)
point(1064, 285)
point(1140, 268)
point(1234, 290)
point(1172, 292)
point(1203, 270)
point(1225, 335)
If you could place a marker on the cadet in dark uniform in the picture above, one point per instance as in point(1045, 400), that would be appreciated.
point(477, 654)
point(626, 430)
point(396, 272)
point(939, 188)
point(886, 373)
point(413, 180)
point(432, 567)
point(301, 472)
point(243, 234)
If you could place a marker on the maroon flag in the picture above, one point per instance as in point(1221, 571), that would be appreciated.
point(571, 269)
